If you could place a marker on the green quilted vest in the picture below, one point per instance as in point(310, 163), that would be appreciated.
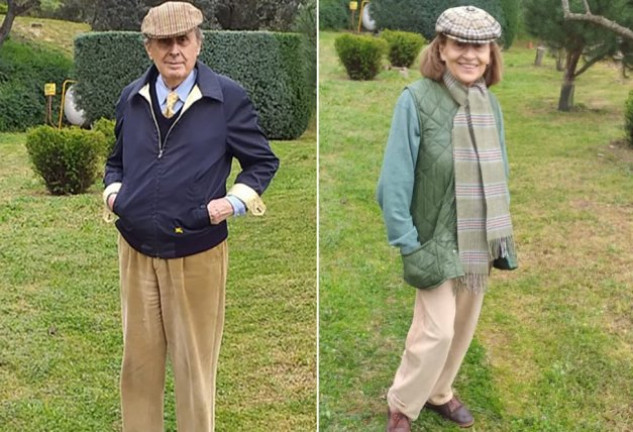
point(433, 202)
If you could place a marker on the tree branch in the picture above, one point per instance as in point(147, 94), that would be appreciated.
point(586, 3)
point(596, 19)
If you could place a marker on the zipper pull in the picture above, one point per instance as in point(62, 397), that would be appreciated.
point(160, 153)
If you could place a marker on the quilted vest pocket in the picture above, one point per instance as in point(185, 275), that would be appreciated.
point(421, 267)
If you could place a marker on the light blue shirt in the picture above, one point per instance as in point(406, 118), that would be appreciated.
point(183, 90)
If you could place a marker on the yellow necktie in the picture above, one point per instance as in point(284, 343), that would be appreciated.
point(172, 98)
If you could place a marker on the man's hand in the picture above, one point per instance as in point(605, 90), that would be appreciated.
point(111, 199)
point(219, 210)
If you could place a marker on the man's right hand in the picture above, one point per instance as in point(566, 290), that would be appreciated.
point(111, 199)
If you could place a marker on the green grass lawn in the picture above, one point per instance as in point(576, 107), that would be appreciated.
point(51, 33)
point(554, 346)
point(60, 336)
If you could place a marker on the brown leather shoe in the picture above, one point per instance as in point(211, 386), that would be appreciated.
point(454, 411)
point(397, 422)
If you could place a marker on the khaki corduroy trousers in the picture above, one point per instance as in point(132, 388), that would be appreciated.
point(171, 307)
point(443, 326)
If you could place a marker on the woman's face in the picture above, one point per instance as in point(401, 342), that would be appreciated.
point(465, 61)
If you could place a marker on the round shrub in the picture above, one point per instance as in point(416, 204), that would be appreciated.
point(65, 158)
point(106, 127)
point(628, 118)
point(404, 47)
point(361, 55)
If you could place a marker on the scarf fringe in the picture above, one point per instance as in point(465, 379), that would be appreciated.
point(502, 247)
point(474, 283)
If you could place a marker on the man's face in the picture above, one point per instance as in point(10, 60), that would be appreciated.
point(174, 57)
point(465, 61)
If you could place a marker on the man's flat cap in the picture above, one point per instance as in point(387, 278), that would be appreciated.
point(468, 24)
point(171, 19)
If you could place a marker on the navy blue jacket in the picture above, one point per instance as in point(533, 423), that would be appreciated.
point(168, 181)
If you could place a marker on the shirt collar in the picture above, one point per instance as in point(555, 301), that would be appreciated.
point(183, 89)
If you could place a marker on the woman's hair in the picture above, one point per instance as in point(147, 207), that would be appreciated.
point(432, 66)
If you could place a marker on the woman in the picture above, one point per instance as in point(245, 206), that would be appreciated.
point(444, 196)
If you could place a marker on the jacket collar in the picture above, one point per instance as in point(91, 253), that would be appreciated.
point(207, 81)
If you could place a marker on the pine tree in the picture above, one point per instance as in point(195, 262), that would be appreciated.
point(584, 43)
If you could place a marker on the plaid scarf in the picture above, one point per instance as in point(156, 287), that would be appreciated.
point(484, 228)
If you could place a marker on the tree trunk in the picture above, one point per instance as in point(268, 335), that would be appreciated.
point(13, 9)
point(566, 100)
point(559, 60)
point(7, 23)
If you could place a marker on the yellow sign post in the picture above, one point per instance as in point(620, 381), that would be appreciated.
point(49, 91)
point(353, 6)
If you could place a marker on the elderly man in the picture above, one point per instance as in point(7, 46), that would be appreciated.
point(178, 128)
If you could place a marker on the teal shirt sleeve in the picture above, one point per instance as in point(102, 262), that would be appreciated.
point(395, 186)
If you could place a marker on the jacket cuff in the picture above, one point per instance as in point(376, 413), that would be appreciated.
point(112, 188)
point(253, 201)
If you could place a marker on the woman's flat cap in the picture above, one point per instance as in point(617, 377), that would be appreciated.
point(468, 24)
point(171, 19)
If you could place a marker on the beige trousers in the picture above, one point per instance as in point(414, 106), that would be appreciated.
point(176, 307)
point(443, 326)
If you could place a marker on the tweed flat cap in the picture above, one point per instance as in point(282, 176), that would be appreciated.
point(171, 19)
point(468, 24)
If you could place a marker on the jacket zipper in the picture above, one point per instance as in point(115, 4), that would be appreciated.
point(160, 138)
point(161, 146)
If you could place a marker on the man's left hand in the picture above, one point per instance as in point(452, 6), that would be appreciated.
point(219, 210)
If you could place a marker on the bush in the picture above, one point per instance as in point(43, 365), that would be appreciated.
point(106, 127)
point(404, 47)
point(305, 24)
point(65, 158)
point(333, 14)
point(24, 69)
point(628, 118)
point(361, 55)
point(511, 13)
point(270, 66)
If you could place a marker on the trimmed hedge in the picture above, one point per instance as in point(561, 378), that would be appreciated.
point(270, 66)
point(334, 14)
point(419, 16)
point(404, 47)
point(361, 55)
point(24, 69)
point(628, 118)
point(67, 159)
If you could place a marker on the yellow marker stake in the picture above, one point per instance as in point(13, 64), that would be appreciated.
point(50, 89)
